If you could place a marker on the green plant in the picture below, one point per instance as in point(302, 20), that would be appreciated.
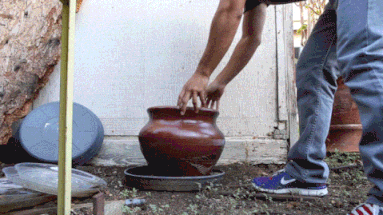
point(193, 208)
point(254, 211)
point(268, 198)
point(345, 193)
point(359, 177)
point(155, 209)
point(338, 158)
point(129, 193)
point(130, 210)
point(237, 194)
point(200, 196)
point(233, 204)
point(313, 9)
point(302, 28)
point(211, 187)
point(197, 196)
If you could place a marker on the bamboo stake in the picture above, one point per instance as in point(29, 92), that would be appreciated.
point(66, 107)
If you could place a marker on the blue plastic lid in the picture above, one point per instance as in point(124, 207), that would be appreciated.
point(39, 133)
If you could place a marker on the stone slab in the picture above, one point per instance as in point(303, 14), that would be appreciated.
point(125, 151)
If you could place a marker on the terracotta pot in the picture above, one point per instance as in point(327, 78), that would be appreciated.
point(176, 145)
point(346, 129)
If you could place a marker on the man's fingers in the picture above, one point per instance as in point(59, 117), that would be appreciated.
point(179, 102)
point(184, 102)
point(212, 104)
point(202, 97)
point(208, 100)
point(195, 101)
point(217, 104)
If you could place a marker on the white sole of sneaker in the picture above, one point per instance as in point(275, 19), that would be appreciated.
point(298, 191)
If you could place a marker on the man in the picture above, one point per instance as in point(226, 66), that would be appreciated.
point(347, 38)
point(223, 29)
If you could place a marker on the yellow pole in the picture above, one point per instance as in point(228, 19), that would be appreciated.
point(66, 107)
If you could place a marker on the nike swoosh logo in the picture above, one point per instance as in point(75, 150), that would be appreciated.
point(284, 182)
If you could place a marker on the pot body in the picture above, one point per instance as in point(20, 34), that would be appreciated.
point(181, 145)
point(346, 129)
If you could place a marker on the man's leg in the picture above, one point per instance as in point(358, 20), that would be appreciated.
point(317, 73)
point(316, 82)
point(360, 58)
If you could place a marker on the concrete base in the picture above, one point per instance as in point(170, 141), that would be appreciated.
point(114, 207)
point(125, 151)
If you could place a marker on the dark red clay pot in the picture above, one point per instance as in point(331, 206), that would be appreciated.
point(346, 129)
point(176, 145)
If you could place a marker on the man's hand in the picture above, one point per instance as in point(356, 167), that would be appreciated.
point(195, 87)
point(214, 92)
point(222, 31)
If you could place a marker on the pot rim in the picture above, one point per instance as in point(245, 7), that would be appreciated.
point(206, 110)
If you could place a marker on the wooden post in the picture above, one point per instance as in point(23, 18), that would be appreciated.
point(66, 107)
point(98, 204)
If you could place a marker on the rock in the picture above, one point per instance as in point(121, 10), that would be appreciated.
point(30, 34)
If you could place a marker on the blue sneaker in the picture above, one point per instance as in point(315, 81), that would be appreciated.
point(283, 183)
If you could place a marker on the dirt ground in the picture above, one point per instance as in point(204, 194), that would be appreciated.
point(233, 195)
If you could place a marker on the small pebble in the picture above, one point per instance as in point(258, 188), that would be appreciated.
point(134, 202)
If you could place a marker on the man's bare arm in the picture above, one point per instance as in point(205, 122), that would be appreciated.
point(223, 29)
point(253, 23)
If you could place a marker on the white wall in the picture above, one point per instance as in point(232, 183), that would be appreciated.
point(131, 55)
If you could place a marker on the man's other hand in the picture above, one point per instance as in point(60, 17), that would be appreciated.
point(214, 92)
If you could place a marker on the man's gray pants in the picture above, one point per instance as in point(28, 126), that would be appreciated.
point(346, 41)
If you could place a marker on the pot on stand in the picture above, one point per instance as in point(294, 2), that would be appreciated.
point(181, 145)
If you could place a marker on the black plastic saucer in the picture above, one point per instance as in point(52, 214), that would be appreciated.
point(141, 178)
